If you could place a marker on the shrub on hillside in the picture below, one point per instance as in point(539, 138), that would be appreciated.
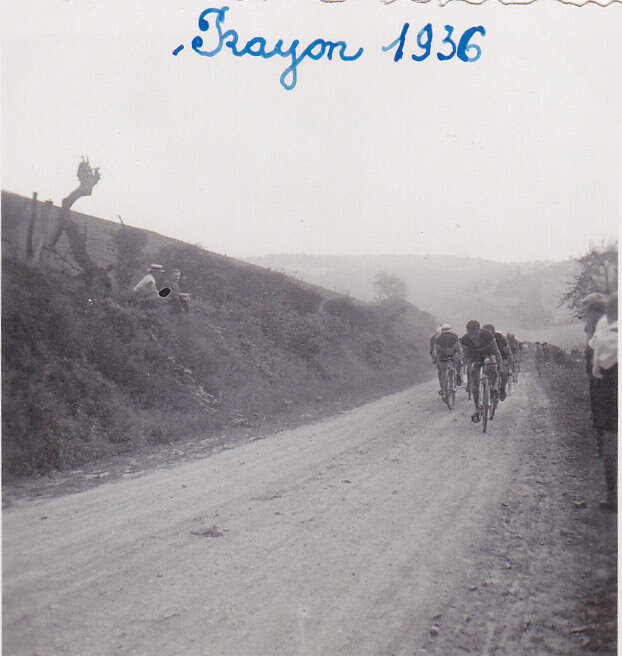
point(302, 300)
point(356, 316)
point(127, 245)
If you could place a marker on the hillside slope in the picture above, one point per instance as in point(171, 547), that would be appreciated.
point(88, 378)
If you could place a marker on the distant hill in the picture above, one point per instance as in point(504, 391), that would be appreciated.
point(85, 378)
point(517, 297)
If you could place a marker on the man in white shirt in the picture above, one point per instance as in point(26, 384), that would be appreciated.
point(593, 313)
point(147, 289)
point(604, 343)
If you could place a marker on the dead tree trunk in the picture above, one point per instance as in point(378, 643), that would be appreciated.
point(96, 277)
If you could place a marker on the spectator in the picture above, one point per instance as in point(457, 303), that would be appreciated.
point(604, 344)
point(146, 289)
point(593, 311)
point(172, 290)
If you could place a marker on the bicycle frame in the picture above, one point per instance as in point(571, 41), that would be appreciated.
point(449, 383)
point(486, 404)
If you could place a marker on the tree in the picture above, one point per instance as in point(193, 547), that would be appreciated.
point(389, 286)
point(95, 277)
point(598, 273)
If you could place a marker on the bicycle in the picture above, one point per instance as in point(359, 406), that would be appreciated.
point(509, 386)
point(466, 376)
point(487, 400)
point(448, 391)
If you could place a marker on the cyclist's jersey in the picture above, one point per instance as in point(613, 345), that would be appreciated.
point(478, 349)
point(504, 347)
point(446, 345)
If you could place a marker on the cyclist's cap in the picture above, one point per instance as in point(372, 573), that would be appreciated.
point(156, 267)
point(445, 328)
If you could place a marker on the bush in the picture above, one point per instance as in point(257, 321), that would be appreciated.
point(345, 309)
point(301, 300)
point(128, 245)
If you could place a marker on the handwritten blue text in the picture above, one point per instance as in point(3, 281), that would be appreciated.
point(464, 49)
point(256, 47)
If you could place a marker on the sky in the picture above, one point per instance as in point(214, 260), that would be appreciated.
point(516, 156)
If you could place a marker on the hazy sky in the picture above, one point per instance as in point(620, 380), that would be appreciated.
point(514, 157)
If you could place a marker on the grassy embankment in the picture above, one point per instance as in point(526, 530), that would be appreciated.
point(84, 380)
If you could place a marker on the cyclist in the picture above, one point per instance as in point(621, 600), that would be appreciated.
point(507, 358)
point(477, 345)
point(433, 337)
point(517, 350)
point(447, 347)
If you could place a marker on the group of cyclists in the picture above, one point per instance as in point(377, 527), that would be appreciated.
point(482, 352)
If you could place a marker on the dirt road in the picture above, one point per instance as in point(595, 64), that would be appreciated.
point(363, 533)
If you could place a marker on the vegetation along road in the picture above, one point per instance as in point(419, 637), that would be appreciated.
point(394, 528)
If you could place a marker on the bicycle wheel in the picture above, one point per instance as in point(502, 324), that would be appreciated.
point(484, 402)
point(450, 380)
point(494, 402)
point(443, 382)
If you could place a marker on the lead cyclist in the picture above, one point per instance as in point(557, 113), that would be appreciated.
point(477, 344)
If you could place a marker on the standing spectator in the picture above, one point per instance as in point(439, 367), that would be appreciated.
point(593, 313)
point(604, 344)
